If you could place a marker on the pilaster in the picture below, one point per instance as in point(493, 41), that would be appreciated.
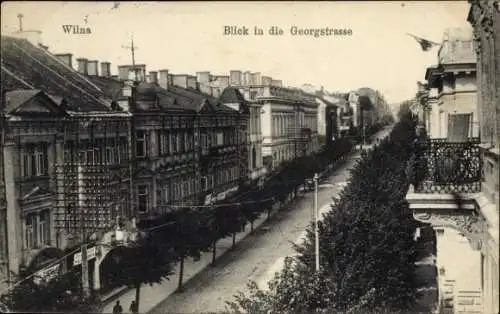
point(14, 226)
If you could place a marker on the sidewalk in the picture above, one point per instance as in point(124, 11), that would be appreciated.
point(152, 295)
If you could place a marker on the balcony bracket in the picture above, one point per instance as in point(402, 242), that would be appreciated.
point(444, 211)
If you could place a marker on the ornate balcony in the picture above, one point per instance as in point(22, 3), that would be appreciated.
point(447, 167)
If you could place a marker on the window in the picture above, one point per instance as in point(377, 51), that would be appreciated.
point(204, 183)
point(30, 233)
point(204, 142)
point(186, 141)
point(166, 194)
point(220, 139)
point(254, 158)
point(109, 155)
point(34, 162)
point(44, 227)
point(142, 198)
point(173, 143)
point(185, 189)
point(141, 145)
point(159, 143)
point(179, 144)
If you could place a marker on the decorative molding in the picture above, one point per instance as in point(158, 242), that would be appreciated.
point(468, 223)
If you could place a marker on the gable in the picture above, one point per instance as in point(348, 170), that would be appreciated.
point(38, 105)
point(205, 107)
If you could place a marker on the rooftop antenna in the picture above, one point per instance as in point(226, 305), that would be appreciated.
point(20, 17)
point(132, 48)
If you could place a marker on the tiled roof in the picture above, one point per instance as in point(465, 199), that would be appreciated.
point(198, 98)
point(26, 66)
point(110, 86)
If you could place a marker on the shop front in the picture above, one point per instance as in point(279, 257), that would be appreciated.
point(44, 265)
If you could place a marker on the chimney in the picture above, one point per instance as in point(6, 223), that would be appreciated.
point(203, 77)
point(235, 77)
point(82, 65)
point(92, 66)
point(123, 72)
point(180, 80)
point(153, 77)
point(192, 82)
point(66, 58)
point(163, 79)
point(266, 80)
point(105, 69)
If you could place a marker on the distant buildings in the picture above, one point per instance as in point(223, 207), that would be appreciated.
point(288, 116)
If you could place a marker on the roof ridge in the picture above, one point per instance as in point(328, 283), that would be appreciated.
point(71, 69)
point(51, 70)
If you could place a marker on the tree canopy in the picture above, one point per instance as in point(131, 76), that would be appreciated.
point(367, 252)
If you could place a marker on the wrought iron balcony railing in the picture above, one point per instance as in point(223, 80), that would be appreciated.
point(440, 166)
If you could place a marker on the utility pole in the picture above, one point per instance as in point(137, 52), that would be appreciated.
point(132, 49)
point(316, 220)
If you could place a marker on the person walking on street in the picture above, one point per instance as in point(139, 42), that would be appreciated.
point(117, 309)
point(133, 307)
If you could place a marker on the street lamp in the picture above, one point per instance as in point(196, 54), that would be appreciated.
point(316, 220)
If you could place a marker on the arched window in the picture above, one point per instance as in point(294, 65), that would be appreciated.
point(254, 158)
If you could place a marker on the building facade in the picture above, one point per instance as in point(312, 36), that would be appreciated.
point(455, 177)
point(451, 96)
point(232, 97)
point(289, 123)
point(65, 156)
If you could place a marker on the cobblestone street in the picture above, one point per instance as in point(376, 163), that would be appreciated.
point(255, 255)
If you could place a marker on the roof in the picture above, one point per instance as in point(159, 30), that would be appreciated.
point(32, 102)
point(231, 95)
point(16, 98)
point(25, 66)
point(111, 87)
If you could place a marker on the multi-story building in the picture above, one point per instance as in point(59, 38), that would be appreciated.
point(450, 98)
point(289, 122)
point(345, 116)
point(185, 135)
point(327, 118)
point(65, 156)
point(455, 177)
point(232, 97)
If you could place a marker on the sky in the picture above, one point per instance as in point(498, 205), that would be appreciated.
point(186, 37)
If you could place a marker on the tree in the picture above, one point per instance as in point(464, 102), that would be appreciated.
point(225, 220)
point(368, 253)
point(147, 261)
point(189, 236)
point(62, 294)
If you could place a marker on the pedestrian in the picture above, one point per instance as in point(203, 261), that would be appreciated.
point(117, 309)
point(133, 307)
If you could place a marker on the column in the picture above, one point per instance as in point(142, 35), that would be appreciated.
point(14, 225)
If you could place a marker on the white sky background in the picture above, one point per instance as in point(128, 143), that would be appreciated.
point(185, 37)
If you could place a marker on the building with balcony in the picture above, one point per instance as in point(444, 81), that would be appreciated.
point(65, 161)
point(455, 170)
